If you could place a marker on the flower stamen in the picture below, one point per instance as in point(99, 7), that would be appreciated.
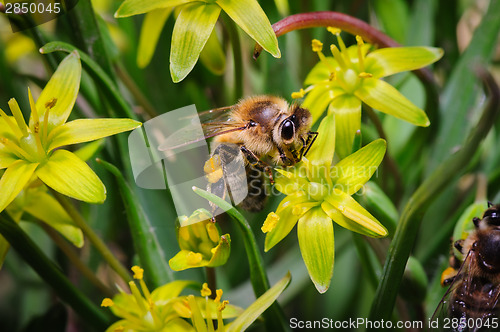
point(338, 56)
point(36, 125)
point(270, 222)
point(14, 148)
point(361, 58)
point(317, 47)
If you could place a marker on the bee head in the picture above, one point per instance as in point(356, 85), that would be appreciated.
point(488, 249)
point(296, 125)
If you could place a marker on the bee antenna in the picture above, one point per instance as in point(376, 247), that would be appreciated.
point(490, 204)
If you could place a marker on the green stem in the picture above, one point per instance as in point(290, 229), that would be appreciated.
point(135, 91)
point(51, 274)
point(238, 60)
point(407, 229)
point(275, 318)
point(75, 260)
point(92, 236)
point(211, 280)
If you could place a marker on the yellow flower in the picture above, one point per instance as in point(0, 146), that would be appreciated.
point(353, 75)
point(318, 193)
point(200, 243)
point(163, 309)
point(35, 149)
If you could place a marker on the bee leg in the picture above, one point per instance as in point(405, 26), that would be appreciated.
point(306, 145)
point(459, 244)
point(256, 162)
point(476, 221)
point(286, 161)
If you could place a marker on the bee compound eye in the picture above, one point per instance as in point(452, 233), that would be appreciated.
point(287, 130)
point(493, 217)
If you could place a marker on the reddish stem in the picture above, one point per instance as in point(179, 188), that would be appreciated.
point(334, 19)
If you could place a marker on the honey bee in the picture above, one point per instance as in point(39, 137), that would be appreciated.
point(266, 130)
point(471, 302)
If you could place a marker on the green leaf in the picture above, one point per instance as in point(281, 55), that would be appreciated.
point(392, 60)
point(51, 274)
point(135, 7)
point(46, 208)
point(85, 130)
point(315, 233)
point(251, 18)
point(153, 24)
point(393, 15)
point(69, 175)
point(253, 312)
point(347, 110)
point(212, 56)
point(144, 236)
point(385, 98)
point(13, 181)
point(191, 31)
point(59, 95)
point(354, 211)
point(381, 206)
point(460, 92)
point(352, 172)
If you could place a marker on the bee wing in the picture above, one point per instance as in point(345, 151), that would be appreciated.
point(191, 134)
point(460, 283)
point(470, 298)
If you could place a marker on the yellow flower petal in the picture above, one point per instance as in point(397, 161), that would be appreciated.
point(385, 98)
point(191, 31)
point(392, 60)
point(150, 32)
point(85, 130)
point(251, 18)
point(316, 241)
point(352, 172)
point(135, 7)
point(352, 210)
point(69, 175)
point(59, 95)
point(13, 181)
point(347, 110)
